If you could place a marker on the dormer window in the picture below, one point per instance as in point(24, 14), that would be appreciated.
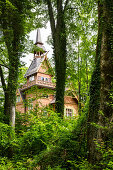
point(31, 78)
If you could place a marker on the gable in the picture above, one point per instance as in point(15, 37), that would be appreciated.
point(39, 64)
point(44, 68)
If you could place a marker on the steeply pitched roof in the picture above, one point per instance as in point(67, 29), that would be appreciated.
point(38, 37)
point(39, 41)
point(34, 66)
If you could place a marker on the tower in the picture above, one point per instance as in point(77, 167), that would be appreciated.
point(39, 46)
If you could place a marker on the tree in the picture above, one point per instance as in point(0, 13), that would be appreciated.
point(100, 108)
point(13, 28)
point(59, 43)
point(82, 33)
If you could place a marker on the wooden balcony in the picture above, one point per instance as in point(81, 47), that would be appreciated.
point(38, 83)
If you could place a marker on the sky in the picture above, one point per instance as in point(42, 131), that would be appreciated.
point(44, 35)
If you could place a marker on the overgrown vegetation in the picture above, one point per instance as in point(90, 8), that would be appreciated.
point(49, 142)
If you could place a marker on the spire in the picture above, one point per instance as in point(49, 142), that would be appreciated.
point(39, 44)
point(38, 37)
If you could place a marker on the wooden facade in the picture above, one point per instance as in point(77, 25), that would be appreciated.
point(39, 90)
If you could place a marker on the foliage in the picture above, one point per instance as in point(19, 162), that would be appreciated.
point(49, 142)
point(37, 49)
point(21, 79)
point(82, 35)
point(59, 137)
point(44, 135)
point(4, 139)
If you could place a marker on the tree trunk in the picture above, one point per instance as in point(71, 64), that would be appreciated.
point(6, 107)
point(9, 109)
point(101, 84)
point(60, 64)
point(87, 80)
point(79, 81)
point(12, 84)
point(106, 70)
point(59, 44)
point(12, 30)
point(12, 115)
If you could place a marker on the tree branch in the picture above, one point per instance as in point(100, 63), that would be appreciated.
point(2, 79)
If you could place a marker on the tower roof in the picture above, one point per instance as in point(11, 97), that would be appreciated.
point(38, 37)
point(39, 40)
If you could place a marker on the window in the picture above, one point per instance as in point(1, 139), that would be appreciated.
point(18, 99)
point(69, 112)
point(42, 78)
point(46, 79)
point(30, 106)
point(31, 78)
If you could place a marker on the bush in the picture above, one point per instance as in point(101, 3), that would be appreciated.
point(4, 138)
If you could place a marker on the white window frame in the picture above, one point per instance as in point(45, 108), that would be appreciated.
point(69, 112)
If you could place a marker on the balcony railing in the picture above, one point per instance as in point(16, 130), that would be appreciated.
point(40, 83)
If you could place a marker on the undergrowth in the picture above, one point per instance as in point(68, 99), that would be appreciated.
point(48, 142)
